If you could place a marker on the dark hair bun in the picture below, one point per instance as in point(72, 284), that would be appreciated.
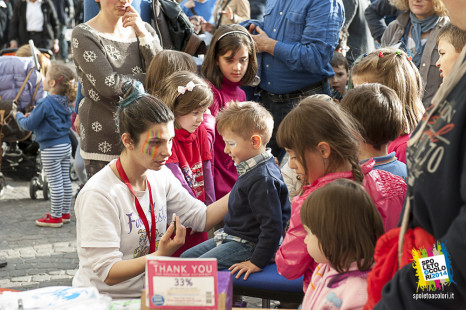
point(132, 90)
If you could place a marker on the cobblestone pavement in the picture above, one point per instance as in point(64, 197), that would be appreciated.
point(39, 256)
point(36, 256)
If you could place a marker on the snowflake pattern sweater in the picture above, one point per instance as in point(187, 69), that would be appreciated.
point(103, 63)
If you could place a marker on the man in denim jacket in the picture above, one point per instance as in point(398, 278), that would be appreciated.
point(296, 40)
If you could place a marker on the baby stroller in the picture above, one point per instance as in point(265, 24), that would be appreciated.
point(19, 153)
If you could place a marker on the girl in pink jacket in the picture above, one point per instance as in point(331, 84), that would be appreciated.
point(342, 226)
point(323, 143)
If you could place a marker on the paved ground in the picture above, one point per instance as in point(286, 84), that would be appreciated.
point(38, 256)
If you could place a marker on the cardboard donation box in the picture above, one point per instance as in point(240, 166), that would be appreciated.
point(176, 283)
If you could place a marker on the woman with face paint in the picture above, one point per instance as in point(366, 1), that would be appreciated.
point(122, 212)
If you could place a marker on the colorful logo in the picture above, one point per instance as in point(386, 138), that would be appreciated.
point(433, 268)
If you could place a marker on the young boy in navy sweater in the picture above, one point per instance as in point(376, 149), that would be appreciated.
point(258, 207)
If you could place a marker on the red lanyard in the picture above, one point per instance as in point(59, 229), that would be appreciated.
point(150, 232)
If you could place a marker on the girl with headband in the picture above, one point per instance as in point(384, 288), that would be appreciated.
point(229, 63)
point(123, 211)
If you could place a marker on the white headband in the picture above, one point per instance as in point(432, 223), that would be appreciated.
point(231, 32)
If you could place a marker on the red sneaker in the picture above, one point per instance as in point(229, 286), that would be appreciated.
point(49, 221)
point(66, 218)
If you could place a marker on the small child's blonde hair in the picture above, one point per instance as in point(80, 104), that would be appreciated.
point(200, 97)
point(65, 80)
point(246, 119)
point(44, 61)
point(393, 68)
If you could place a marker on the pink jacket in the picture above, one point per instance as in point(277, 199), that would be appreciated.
point(331, 290)
point(386, 190)
point(399, 147)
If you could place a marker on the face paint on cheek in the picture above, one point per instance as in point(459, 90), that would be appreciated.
point(151, 147)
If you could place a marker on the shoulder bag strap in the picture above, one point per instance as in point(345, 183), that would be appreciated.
point(22, 86)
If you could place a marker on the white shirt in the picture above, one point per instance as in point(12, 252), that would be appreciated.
point(34, 16)
point(109, 229)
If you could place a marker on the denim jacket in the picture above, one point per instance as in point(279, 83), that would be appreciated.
point(307, 33)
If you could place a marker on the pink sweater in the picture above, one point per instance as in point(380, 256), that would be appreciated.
point(386, 190)
point(225, 174)
point(332, 290)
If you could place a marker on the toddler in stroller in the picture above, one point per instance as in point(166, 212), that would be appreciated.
point(21, 82)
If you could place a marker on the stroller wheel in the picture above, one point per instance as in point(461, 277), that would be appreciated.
point(45, 190)
point(33, 187)
point(73, 174)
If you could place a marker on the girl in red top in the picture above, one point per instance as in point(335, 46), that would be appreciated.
point(189, 97)
point(229, 63)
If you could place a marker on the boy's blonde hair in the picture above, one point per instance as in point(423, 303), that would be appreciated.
point(453, 35)
point(246, 119)
point(403, 5)
point(393, 68)
point(164, 64)
point(199, 97)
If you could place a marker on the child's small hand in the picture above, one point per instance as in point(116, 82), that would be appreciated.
point(27, 115)
point(243, 267)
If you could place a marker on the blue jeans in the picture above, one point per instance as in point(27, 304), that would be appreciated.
point(228, 253)
point(257, 9)
point(280, 107)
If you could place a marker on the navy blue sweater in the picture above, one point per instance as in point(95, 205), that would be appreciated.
point(258, 210)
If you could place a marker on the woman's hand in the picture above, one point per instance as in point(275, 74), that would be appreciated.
point(167, 245)
point(243, 267)
point(76, 125)
point(229, 13)
point(131, 18)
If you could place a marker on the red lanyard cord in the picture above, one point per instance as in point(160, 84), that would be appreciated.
point(150, 232)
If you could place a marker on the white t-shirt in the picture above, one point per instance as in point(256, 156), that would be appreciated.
point(34, 16)
point(109, 228)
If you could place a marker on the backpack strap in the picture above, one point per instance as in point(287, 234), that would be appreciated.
point(28, 108)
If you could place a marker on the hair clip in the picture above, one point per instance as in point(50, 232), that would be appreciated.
point(365, 55)
point(189, 87)
point(60, 79)
point(132, 90)
point(410, 58)
point(398, 52)
point(380, 54)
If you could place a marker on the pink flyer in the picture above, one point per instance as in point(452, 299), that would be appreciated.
point(181, 283)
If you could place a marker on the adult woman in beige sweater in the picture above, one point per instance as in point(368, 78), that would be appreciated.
point(231, 12)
